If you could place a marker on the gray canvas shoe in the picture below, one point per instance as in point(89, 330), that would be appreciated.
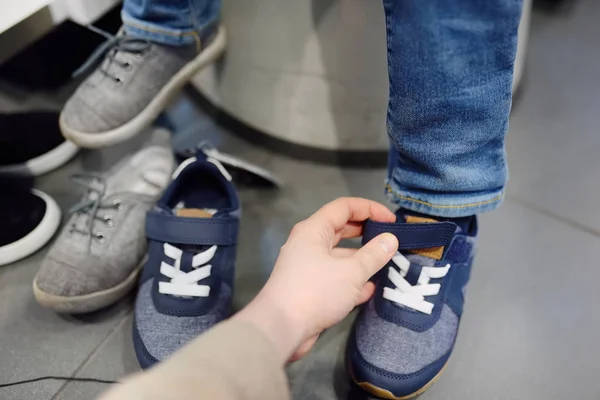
point(96, 259)
point(132, 85)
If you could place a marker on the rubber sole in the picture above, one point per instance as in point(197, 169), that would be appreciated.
point(89, 302)
point(386, 394)
point(38, 237)
point(155, 107)
point(45, 163)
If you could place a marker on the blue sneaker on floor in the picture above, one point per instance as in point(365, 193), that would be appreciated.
point(187, 281)
point(404, 335)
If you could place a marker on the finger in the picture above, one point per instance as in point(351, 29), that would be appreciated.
point(333, 216)
point(356, 209)
point(350, 230)
point(304, 348)
point(367, 291)
point(342, 252)
point(375, 254)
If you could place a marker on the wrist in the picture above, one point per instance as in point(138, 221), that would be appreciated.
point(277, 324)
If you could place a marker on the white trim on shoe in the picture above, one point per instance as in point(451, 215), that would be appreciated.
point(45, 163)
point(38, 237)
point(155, 107)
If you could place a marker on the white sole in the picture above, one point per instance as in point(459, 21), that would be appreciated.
point(155, 107)
point(45, 163)
point(37, 238)
point(89, 302)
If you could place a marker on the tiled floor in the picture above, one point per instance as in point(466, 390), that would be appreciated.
point(532, 321)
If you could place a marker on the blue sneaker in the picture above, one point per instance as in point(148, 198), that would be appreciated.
point(404, 335)
point(187, 281)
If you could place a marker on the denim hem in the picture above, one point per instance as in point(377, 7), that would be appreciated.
point(160, 34)
point(444, 205)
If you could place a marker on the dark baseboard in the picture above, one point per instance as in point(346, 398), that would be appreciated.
point(347, 158)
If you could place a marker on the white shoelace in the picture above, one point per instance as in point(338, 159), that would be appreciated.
point(413, 296)
point(186, 283)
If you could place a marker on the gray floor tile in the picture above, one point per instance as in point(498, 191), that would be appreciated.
point(37, 342)
point(531, 314)
point(553, 141)
point(113, 360)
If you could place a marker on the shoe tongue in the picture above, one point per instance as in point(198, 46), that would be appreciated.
point(182, 210)
point(425, 256)
point(412, 217)
point(195, 212)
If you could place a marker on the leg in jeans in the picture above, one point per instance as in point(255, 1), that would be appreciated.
point(164, 44)
point(451, 71)
point(169, 22)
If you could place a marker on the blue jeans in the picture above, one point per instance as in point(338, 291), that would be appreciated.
point(170, 22)
point(450, 71)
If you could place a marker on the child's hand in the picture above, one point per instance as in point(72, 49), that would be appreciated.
point(314, 285)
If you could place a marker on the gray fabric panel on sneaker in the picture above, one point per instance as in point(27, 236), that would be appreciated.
point(400, 350)
point(100, 103)
point(164, 334)
point(76, 266)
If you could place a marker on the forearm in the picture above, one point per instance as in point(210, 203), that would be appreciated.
point(276, 323)
point(234, 360)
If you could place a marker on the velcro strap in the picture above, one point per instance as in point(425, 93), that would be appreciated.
point(189, 230)
point(412, 236)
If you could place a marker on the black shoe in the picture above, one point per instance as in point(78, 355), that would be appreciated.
point(28, 220)
point(31, 143)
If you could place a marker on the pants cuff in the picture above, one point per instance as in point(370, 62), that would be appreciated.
point(444, 205)
point(158, 34)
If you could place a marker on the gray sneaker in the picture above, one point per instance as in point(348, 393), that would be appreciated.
point(96, 258)
point(132, 85)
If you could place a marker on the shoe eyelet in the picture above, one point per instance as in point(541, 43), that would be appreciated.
point(108, 221)
point(118, 81)
point(126, 65)
point(99, 236)
point(117, 205)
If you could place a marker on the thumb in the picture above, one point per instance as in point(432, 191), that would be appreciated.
point(375, 254)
